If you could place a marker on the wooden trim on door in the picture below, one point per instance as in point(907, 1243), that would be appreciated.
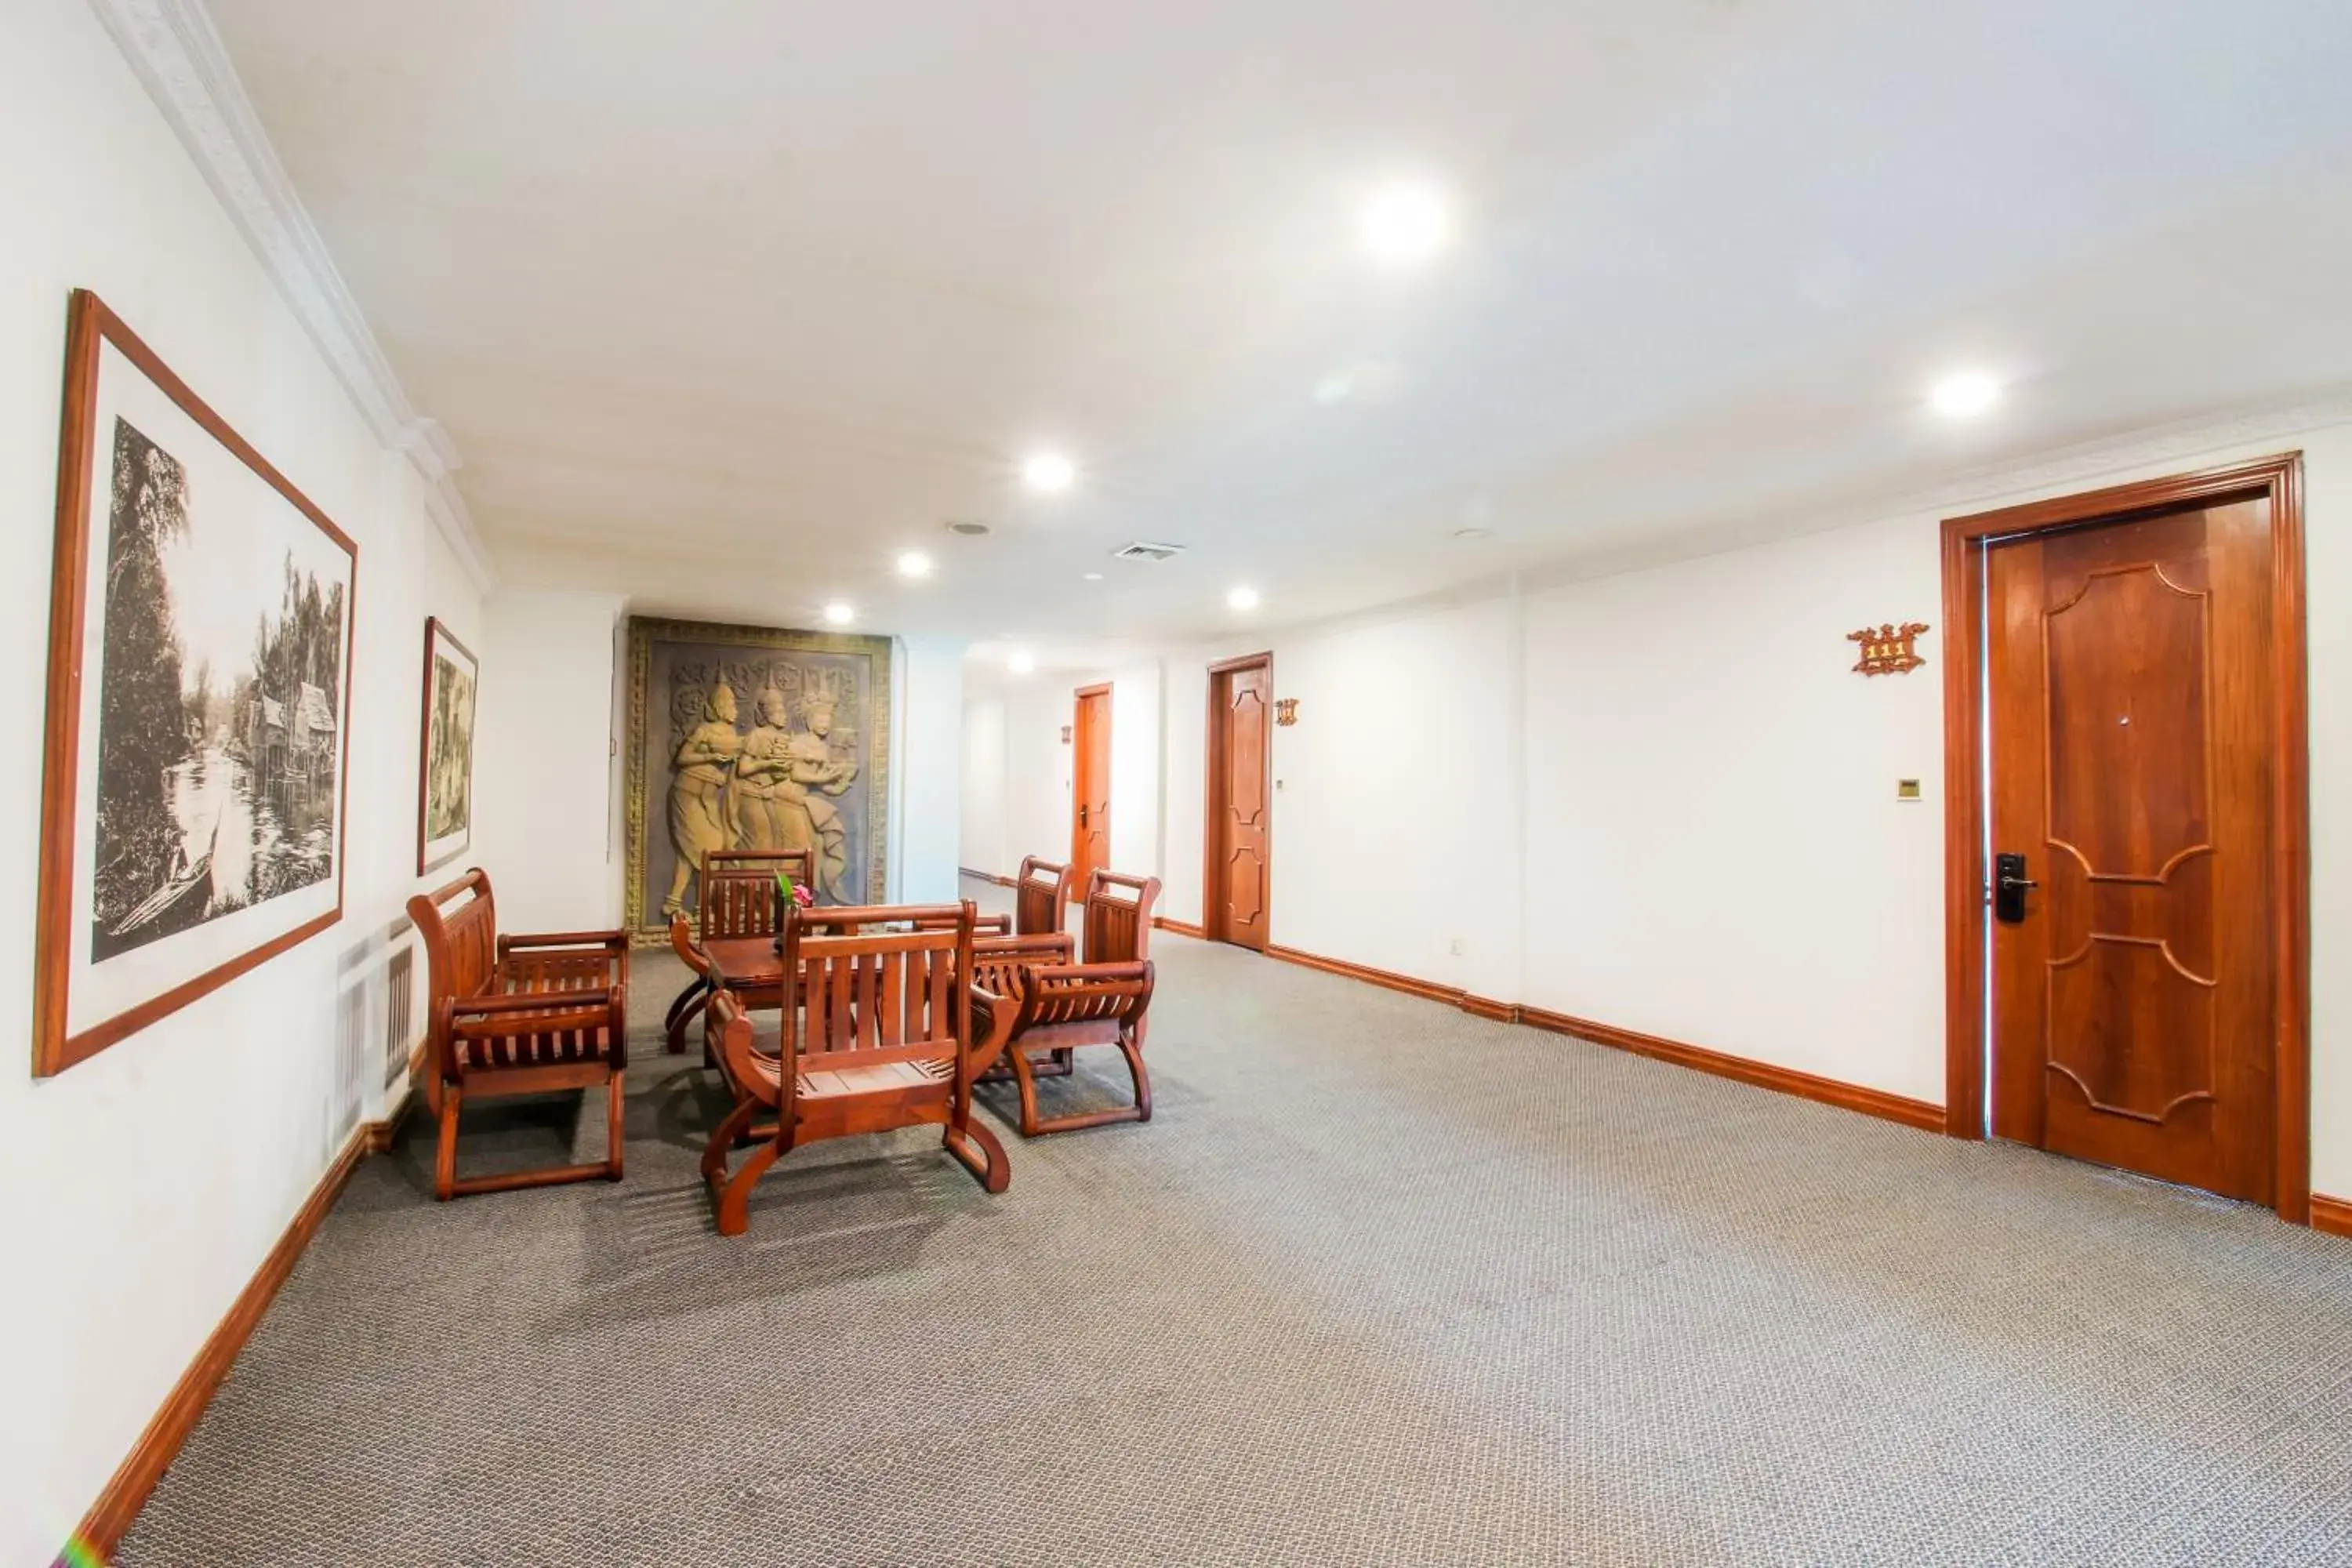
point(2280, 480)
point(1213, 928)
point(1079, 737)
point(109, 1518)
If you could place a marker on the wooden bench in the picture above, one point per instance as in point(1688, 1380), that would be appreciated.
point(517, 1014)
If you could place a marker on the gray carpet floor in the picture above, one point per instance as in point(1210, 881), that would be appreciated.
point(1380, 1283)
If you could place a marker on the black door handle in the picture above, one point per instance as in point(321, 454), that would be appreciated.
point(2010, 883)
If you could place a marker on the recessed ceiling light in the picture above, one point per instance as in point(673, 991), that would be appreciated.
point(1971, 392)
point(971, 528)
point(1335, 387)
point(1093, 577)
point(914, 564)
point(1472, 532)
point(839, 614)
point(1242, 598)
point(1048, 473)
point(1404, 224)
point(1020, 663)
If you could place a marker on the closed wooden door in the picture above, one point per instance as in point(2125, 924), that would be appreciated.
point(2132, 689)
point(1237, 869)
point(1090, 789)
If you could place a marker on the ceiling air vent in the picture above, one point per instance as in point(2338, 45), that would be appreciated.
point(1144, 550)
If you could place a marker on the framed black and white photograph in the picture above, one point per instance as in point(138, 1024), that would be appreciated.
point(200, 656)
point(445, 785)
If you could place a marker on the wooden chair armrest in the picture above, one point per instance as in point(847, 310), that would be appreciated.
point(681, 942)
point(991, 1017)
point(753, 1076)
point(1084, 992)
point(614, 940)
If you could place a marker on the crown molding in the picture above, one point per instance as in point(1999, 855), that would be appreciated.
point(177, 54)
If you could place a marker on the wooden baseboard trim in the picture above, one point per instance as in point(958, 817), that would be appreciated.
point(1763, 1075)
point(1182, 928)
point(2333, 1216)
point(985, 876)
point(108, 1519)
point(1427, 989)
point(376, 1137)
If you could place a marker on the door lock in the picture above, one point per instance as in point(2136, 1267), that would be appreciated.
point(2009, 885)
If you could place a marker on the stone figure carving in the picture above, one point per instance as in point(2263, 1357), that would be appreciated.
point(817, 772)
point(697, 791)
point(750, 739)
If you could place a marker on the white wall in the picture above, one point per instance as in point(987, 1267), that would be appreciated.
point(545, 761)
point(981, 845)
point(147, 1183)
point(1018, 771)
point(1661, 800)
point(927, 815)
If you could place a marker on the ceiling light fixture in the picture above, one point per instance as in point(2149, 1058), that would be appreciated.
point(1959, 396)
point(1093, 577)
point(914, 564)
point(1242, 598)
point(1049, 473)
point(971, 528)
point(838, 613)
point(1472, 532)
point(1020, 663)
point(1404, 224)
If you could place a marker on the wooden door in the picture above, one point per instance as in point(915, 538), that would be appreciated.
point(2133, 695)
point(1090, 789)
point(1236, 873)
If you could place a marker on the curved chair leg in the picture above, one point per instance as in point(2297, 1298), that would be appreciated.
point(1132, 1048)
point(734, 1194)
point(683, 1011)
point(988, 1161)
point(445, 1158)
point(615, 1107)
point(723, 1139)
point(1025, 1078)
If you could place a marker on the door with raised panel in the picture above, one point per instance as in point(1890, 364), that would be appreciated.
point(2131, 685)
point(1236, 875)
point(1090, 789)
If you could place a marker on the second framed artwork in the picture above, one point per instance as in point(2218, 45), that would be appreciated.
point(444, 783)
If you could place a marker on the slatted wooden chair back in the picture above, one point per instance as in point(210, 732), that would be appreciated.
point(798, 863)
point(1039, 894)
point(459, 925)
point(866, 997)
point(740, 904)
point(1119, 917)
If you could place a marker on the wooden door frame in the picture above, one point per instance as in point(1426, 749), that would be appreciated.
point(1213, 928)
point(2280, 480)
point(1077, 750)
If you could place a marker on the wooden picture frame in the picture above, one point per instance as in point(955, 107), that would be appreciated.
point(675, 669)
point(445, 749)
point(215, 774)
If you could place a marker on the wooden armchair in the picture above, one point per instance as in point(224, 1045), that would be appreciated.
point(517, 1014)
point(1040, 1001)
point(877, 1034)
point(737, 898)
point(1039, 894)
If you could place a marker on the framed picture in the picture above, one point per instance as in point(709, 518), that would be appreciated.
point(445, 782)
point(200, 658)
point(753, 738)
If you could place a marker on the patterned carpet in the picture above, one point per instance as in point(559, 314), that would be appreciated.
point(1381, 1283)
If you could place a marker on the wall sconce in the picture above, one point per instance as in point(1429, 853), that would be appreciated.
point(1285, 712)
point(1065, 734)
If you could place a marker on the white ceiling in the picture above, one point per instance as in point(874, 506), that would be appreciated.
point(724, 303)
